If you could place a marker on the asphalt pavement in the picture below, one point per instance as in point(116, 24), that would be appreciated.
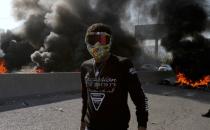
point(170, 108)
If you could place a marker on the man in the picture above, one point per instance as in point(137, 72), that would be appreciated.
point(106, 81)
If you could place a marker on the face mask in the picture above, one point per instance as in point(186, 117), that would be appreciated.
point(98, 51)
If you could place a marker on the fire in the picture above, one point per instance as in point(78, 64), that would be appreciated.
point(3, 68)
point(39, 70)
point(183, 80)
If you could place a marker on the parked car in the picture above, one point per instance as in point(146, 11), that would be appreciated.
point(165, 67)
point(149, 67)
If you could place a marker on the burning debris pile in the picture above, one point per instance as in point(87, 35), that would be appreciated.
point(16, 52)
point(186, 20)
point(53, 32)
point(3, 68)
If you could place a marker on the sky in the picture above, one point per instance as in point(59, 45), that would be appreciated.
point(7, 21)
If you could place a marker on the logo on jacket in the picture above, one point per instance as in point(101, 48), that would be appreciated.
point(97, 99)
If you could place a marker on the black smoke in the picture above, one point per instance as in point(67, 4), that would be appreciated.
point(33, 13)
point(16, 51)
point(56, 29)
point(71, 19)
point(185, 21)
point(19, 44)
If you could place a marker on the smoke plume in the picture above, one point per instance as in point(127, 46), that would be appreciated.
point(55, 31)
point(185, 21)
point(16, 51)
point(69, 20)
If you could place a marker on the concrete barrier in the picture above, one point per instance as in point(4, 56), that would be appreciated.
point(22, 85)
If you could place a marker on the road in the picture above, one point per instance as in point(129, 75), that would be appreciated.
point(170, 108)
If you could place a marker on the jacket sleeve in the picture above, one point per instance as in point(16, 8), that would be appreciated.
point(84, 93)
point(137, 94)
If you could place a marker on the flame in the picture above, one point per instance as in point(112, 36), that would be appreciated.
point(3, 68)
point(39, 70)
point(183, 80)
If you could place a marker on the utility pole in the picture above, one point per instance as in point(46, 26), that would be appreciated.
point(138, 16)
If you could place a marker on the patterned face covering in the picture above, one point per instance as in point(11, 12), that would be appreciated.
point(98, 45)
point(98, 51)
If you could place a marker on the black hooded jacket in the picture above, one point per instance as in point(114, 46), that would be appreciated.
point(105, 89)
